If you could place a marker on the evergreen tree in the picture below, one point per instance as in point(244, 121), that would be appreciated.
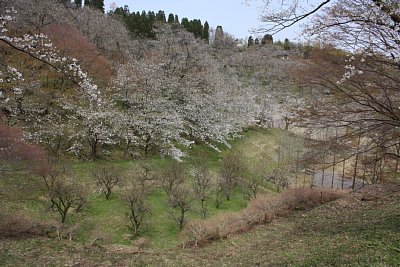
point(99, 4)
point(256, 41)
point(161, 16)
point(286, 44)
point(196, 28)
point(250, 41)
point(206, 31)
point(176, 19)
point(78, 3)
point(185, 23)
point(151, 16)
point(171, 18)
point(267, 39)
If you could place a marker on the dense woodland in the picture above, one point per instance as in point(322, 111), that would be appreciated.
point(146, 115)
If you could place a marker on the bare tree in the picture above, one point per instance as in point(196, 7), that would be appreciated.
point(230, 173)
point(280, 177)
point(251, 185)
point(172, 177)
point(106, 179)
point(282, 14)
point(65, 194)
point(202, 186)
point(181, 198)
point(136, 199)
point(218, 193)
point(145, 174)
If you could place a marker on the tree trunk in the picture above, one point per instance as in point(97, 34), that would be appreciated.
point(356, 163)
point(343, 172)
point(396, 170)
point(297, 167)
point(333, 169)
point(203, 209)
point(147, 146)
point(182, 219)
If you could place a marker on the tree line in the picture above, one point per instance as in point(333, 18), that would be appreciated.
point(141, 24)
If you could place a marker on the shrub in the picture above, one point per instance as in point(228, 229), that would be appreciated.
point(263, 209)
point(20, 226)
point(106, 179)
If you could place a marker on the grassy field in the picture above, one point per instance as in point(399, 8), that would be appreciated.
point(26, 194)
point(360, 229)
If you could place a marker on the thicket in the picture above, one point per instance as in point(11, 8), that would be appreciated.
point(263, 209)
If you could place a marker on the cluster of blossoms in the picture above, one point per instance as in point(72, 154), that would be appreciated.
point(40, 47)
point(350, 70)
point(11, 75)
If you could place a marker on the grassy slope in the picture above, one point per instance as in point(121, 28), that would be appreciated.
point(26, 194)
point(346, 232)
point(361, 229)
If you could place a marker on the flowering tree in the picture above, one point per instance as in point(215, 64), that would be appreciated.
point(145, 105)
point(39, 47)
point(48, 118)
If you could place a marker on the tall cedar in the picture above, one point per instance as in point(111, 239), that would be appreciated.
point(78, 3)
point(99, 4)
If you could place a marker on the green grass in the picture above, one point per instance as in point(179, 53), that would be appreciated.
point(26, 193)
point(356, 233)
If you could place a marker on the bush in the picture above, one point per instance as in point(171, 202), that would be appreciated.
point(263, 209)
point(19, 226)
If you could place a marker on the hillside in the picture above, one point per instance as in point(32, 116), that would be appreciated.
point(131, 139)
point(26, 196)
point(360, 229)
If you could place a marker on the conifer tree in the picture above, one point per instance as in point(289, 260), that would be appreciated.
point(78, 3)
point(196, 28)
point(161, 16)
point(286, 44)
point(206, 29)
point(267, 39)
point(250, 41)
point(171, 18)
point(99, 4)
point(185, 23)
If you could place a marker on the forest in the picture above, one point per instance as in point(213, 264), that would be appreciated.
point(131, 138)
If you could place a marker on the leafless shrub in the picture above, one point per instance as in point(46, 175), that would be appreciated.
point(279, 177)
point(136, 199)
point(98, 238)
point(106, 179)
point(64, 192)
point(172, 177)
point(181, 198)
point(144, 174)
point(230, 173)
point(262, 209)
point(20, 226)
point(218, 192)
point(251, 186)
point(202, 186)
